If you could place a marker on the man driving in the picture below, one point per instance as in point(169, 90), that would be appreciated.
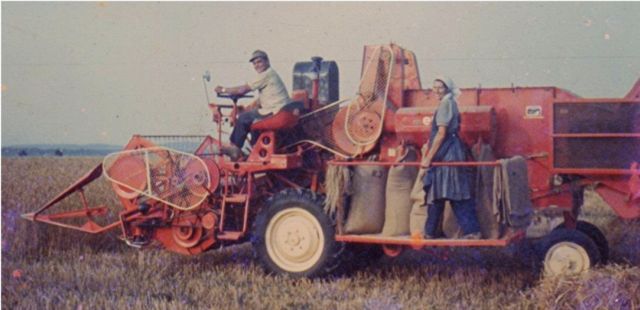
point(272, 97)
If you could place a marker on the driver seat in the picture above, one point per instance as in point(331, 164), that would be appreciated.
point(286, 118)
point(264, 145)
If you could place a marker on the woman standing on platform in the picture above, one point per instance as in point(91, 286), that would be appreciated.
point(450, 183)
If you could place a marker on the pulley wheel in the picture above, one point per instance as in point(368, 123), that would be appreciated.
point(364, 125)
point(340, 138)
point(187, 231)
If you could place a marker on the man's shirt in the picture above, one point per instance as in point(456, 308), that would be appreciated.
point(272, 92)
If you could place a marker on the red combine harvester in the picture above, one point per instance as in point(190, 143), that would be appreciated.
point(182, 193)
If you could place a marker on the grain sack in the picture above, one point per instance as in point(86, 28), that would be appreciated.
point(418, 215)
point(398, 196)
point(366, 213)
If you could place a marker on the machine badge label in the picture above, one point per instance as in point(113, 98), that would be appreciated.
point(533, 111)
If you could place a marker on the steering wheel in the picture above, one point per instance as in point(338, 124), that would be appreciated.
point(233, 98)
point(217, 108)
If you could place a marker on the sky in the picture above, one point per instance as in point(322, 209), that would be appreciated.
point(99, 72)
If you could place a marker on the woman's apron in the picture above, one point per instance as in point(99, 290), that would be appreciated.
point(447, 182)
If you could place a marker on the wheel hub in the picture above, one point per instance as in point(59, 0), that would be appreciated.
point(566, 258)
point(294, 239)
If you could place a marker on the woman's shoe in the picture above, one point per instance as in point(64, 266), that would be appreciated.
point(418, 235)
point(472, 236)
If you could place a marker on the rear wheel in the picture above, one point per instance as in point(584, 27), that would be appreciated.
point(294, 236)
point(597, 236)
point(568, 251)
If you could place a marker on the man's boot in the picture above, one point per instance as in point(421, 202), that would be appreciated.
point(234, 152)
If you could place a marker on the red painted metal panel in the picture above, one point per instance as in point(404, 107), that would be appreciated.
point(525, 126)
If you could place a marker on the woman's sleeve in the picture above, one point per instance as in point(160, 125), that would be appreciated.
point(445, 113)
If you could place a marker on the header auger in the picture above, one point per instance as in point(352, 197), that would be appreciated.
point(181, 192)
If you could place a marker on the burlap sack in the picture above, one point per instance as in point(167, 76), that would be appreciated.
point(366, 212)
point(398, 196)
point(418, 215)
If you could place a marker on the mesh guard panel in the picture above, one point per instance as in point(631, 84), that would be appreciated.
point(183, 143)
point(178, 179)
point(605, 134)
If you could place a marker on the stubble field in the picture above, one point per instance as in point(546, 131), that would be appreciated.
point(45, 267)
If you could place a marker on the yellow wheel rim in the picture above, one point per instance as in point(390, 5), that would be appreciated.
point(566, 258)
point(294, 239)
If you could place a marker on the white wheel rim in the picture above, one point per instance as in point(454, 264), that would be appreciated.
point(294, 239)
point(566, 258)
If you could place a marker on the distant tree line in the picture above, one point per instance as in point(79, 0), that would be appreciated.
point(34, 151)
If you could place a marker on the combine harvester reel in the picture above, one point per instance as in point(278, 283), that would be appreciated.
point(177, 179)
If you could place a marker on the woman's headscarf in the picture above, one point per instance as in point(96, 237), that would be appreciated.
point(455, 91)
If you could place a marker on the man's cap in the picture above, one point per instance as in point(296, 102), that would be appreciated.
point(258, 53)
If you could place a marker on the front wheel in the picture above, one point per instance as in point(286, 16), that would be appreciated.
point(294, 236)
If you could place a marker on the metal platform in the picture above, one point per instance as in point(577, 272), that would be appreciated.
point(419, 242)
